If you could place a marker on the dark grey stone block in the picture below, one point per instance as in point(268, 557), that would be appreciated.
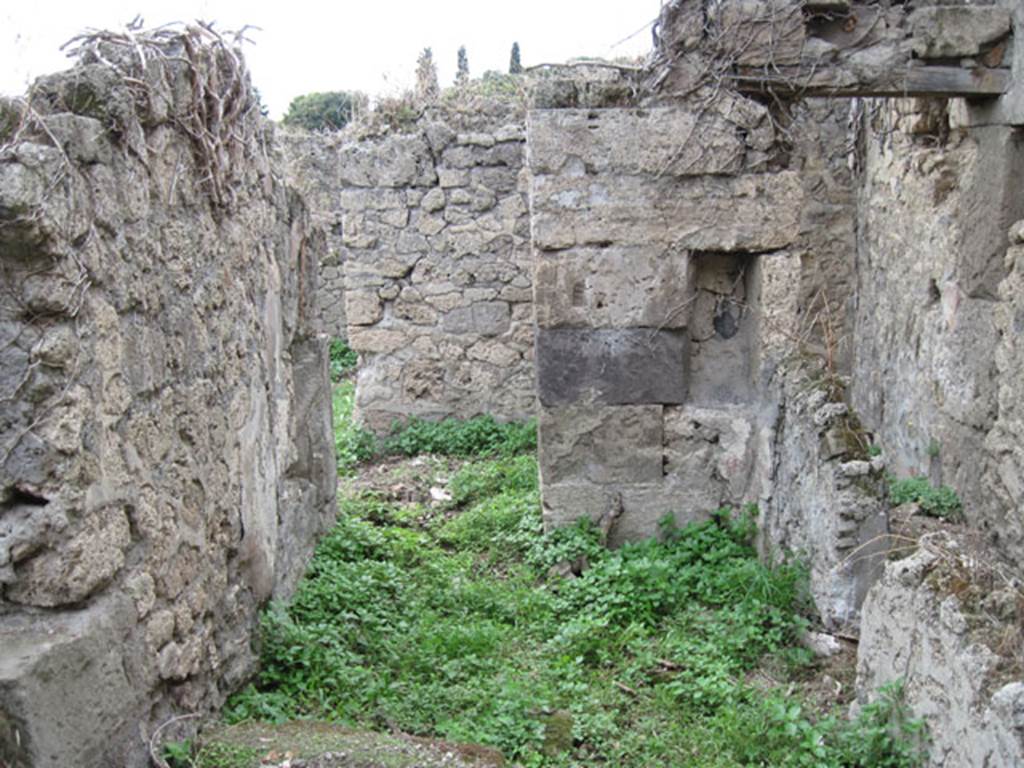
point(631, 366)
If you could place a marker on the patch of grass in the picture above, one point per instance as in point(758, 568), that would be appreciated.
point(225, 755)
point(352, 443)
point(454, 624)
point(456, 630)
point(481, 479)
point(480, 436)
point(343, 360)
point(938, 502)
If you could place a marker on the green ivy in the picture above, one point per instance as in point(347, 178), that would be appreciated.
point(480, 436)
point(352, 443)
point(343, 360)
point(937, 502)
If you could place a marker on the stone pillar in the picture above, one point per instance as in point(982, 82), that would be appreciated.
point(647, 225)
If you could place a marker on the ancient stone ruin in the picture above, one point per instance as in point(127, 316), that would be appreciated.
point(167, 459)
point(721, 279)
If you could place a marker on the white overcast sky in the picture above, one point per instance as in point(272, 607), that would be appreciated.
point(368, 45)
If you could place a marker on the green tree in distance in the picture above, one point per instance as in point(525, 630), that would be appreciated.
point(328, 111)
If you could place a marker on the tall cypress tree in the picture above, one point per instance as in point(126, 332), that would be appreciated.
point(515, 66)
point(462, 73)
point(426, 76)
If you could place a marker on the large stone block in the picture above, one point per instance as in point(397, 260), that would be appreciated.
point(628, 366)
point(397, 161)
point(485, 318)
point(955, 31)
point(754, 212)
point(662, 141)
point(646, 506)
point(601, 444)
point(713, 449)
point(65, 694)
point(629, 511)
point(761, 33)
point(614, 287)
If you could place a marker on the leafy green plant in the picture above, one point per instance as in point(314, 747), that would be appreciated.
point(352, 443)
point(884, 735)
point(405, 626)
point(480, 436)
point(343, 359)
point(937, 502)
point(482, 479)
point(454, 624)
point(178, 754)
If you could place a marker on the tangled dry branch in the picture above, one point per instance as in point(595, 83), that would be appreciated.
point(214, 114)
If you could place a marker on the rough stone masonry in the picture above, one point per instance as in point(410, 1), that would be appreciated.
point(429, 273)
point(671, 270)
point(166, 458)
point(431, 264)
point(650, 259)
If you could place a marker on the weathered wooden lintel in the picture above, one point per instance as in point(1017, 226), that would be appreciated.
point(940, 81)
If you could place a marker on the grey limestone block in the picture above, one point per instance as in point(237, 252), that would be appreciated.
point(749, 213)
point(614, 287)
point(625, 366)
point(633, 141)
point(601, 444)
point(952, 31)
point(485, 318)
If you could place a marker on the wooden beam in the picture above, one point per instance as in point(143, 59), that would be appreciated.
point(943, 81)
point(859, 48)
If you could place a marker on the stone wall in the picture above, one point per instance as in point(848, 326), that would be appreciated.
point(915, 629)
point(656, 260)
point(827, 504)
point(165, 450)
point(431, 226)
point(935, 208)
point(823, 134)
point(1003, 477)
point(311, 163)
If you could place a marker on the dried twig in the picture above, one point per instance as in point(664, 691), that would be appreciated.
point(215, 119)
point(626, 689)
point(154, 740)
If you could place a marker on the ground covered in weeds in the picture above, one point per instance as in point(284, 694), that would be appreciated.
point(439, 608)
